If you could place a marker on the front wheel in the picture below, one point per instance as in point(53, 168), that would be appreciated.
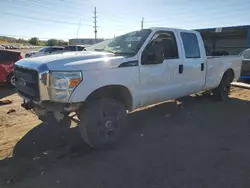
point(102, 122)
point(221, 93)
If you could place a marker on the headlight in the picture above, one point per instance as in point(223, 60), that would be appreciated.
point(63, 83)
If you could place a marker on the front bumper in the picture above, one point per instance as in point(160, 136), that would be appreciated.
point(49, 110)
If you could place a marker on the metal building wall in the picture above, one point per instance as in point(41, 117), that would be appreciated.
point(231, 39)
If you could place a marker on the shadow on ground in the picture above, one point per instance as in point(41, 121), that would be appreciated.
point(195, 142)
point(6, 90)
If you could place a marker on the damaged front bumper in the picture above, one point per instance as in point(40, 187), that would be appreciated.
point(52, 111)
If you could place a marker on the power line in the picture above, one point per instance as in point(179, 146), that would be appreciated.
point(209, 9)
point(186, 19)
point(51, 21)
point(61, 13)
point(41, 19)
point(22, 36)
point(152, 22)
point(37, 2)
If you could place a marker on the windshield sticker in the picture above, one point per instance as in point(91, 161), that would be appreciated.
point(133, 39)
point(117, 47)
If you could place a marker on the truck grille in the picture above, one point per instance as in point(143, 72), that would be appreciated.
point(26, 81)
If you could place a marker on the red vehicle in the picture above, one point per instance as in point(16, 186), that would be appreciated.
point(7, 61)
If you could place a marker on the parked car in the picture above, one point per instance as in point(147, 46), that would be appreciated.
point(245, 69)
point(7, 61)
point(74, 48)
point(45, 51)
point(108, 80)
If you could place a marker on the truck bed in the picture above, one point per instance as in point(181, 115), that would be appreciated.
point(217, 65)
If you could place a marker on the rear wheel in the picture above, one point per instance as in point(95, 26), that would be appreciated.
point(102, 122)
point(221, 93)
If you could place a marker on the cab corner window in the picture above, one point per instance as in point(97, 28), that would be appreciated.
point(191, 45)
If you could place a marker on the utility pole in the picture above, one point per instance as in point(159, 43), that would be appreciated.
point(142, 22)
point(95, 26)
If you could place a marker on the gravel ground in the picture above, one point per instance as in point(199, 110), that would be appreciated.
point(193, 142)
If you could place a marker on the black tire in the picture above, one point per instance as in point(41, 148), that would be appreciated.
point(221, 93)
point(11, 80)
point(102, 122)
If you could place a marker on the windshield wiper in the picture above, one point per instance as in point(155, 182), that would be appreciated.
point(103, 50)
point(99, 49)
point(124, 53)
point(116, 53)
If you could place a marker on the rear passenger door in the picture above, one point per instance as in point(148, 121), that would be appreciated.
point(194, 65)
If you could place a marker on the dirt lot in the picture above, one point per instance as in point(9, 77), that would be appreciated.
point(194, 142)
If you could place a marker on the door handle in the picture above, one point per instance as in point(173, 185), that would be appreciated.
point(202, 66)
point(180, 69)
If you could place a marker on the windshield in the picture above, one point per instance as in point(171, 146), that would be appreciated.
point(129, 43)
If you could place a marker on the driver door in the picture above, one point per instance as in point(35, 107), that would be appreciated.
point(156, 80)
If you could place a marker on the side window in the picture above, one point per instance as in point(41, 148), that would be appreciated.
point(191, 45)
point(48, 50)
point(80, 48)
point(246, 54)
point(54, 50)
point(168, 42)
point(43, 49)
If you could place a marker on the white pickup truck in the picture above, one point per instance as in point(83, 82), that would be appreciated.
point(101, 85)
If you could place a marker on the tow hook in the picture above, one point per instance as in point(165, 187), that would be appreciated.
point(27, 105)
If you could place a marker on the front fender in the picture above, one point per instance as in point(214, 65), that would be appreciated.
point(95, 79)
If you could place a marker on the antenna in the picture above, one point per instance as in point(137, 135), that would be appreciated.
point(78, 30)
point(142, 22)
point(95, 26)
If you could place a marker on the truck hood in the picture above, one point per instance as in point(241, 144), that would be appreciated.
point(86, 60)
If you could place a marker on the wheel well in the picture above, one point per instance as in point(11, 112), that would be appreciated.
point(117, 92)
point(230, 73)
point(9, 75)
